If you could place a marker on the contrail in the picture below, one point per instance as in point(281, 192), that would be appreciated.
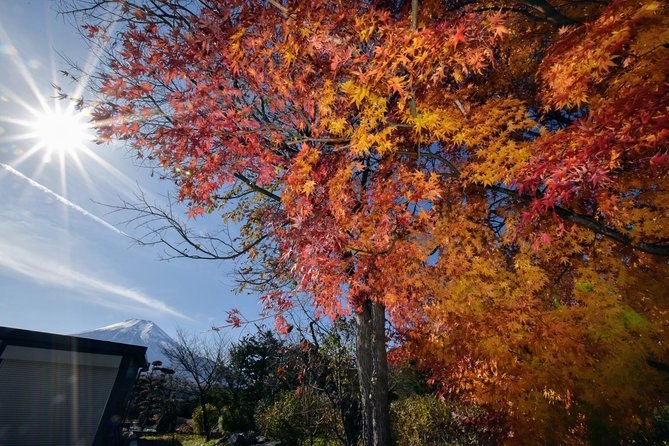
point(62, 199)
point(45, 269)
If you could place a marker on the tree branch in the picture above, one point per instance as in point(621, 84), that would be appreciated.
point(596, 226)
point(256, 188)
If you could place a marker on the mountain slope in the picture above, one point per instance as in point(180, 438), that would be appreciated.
point(137, 332)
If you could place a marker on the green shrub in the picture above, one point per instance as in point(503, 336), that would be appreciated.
point(297, 416)
point(283, 419)
point(198, 419)
point(426, 420)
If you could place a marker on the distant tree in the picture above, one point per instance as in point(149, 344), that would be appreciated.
point(326, 364)
point(202, 364)
point(251, 377)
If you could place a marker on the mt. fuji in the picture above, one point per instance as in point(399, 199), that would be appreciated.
point(137, 332)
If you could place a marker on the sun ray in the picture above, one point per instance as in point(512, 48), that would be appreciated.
point(23, 70)
point(33, 150)
point(91, 64)
point(20, 101)
point(63, 174)
point(116, 174)
point(18, 137)
point(10, 120)
point(83, 172)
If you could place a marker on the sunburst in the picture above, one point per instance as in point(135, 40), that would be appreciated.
point(54, 131)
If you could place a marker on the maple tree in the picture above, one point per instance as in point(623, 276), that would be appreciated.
point(489, 176)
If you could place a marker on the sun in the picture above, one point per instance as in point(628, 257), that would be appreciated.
point(61, 132)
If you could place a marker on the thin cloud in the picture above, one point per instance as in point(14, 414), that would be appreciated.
point(46, 271)
point(62, 199)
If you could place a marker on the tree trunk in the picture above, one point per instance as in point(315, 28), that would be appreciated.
point(373, 373)
point(205, 420)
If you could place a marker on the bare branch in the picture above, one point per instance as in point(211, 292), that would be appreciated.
point(160, 222)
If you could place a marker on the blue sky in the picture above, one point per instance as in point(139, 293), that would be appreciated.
point(65, 263)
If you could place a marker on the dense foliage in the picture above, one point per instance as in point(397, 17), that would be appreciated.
point(493, 173)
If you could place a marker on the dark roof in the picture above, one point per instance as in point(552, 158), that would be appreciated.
point(37, 339)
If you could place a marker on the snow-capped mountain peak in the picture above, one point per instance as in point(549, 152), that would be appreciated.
point(137, 332)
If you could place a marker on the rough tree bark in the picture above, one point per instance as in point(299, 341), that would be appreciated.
point(373, 372)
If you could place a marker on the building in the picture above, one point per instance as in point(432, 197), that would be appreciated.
point(64, 390)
